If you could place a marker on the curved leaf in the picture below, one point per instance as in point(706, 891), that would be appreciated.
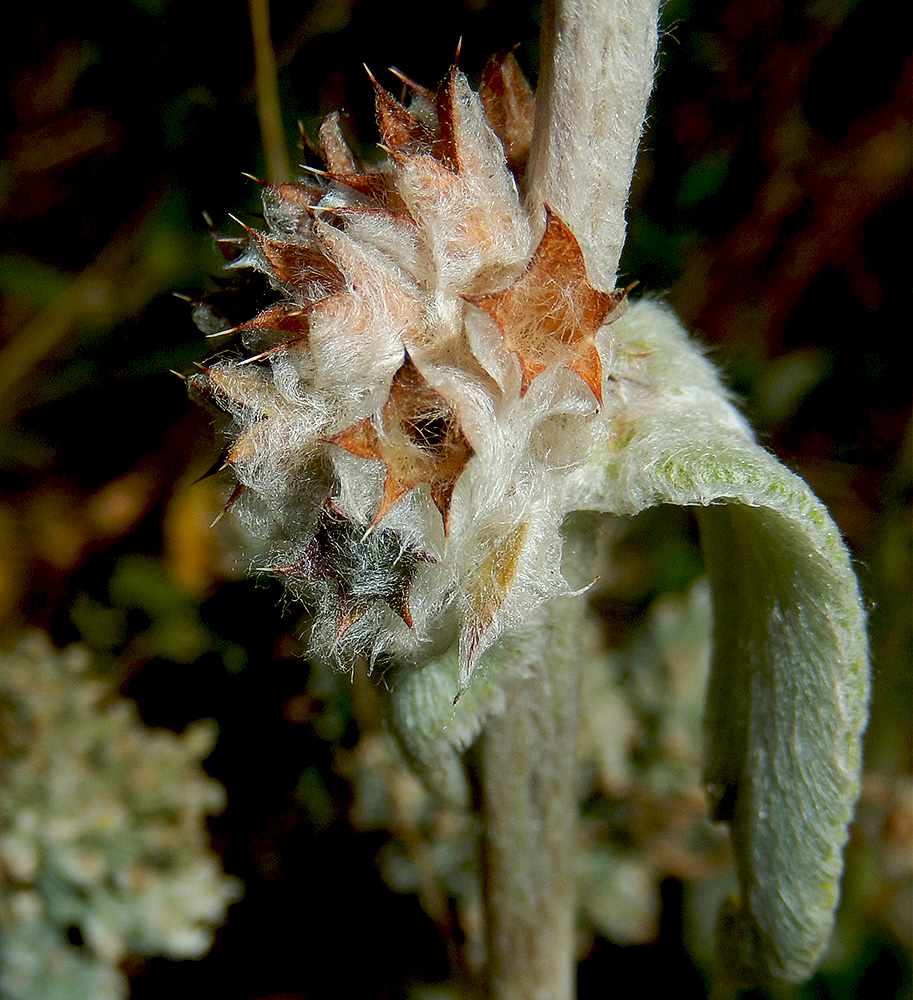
point(788, 693)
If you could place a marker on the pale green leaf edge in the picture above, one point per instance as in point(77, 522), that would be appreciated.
point(789, 687)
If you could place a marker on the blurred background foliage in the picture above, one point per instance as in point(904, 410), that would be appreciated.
point(771, 207)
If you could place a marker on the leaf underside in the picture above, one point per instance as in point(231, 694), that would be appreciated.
point(788, 693)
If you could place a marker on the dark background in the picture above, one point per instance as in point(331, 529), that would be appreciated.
point(771, 206)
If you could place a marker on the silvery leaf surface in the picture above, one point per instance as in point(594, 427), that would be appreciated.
point(789, 687)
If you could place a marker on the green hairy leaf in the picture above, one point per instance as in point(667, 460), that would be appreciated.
point(788, 694)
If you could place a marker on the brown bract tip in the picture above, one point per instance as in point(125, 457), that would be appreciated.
point(400, 130)
point(417, 88)
point(491, 582)
point(509, 105)
point(550, 315)
point(299, 194)
point(299, 266)
point(334, 149)
point(285, 317)
point(446, 147)
point(229, 503)
point(422, 442)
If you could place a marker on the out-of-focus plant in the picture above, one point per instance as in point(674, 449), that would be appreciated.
point(103, 842)
point(445, 375)
point(638, 761)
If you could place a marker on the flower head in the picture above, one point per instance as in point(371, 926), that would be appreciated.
point(434, 366)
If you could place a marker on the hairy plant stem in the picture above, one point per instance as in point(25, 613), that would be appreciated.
point(595, 77)
point(596, 74)
point(529, 790)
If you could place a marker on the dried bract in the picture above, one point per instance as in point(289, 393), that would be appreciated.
point(407, 411)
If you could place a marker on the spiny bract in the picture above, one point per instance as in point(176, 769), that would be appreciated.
point(434, 366)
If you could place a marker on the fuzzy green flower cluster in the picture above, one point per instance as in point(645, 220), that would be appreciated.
point(103, 844)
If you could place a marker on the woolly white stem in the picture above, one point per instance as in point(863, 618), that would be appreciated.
point(596, 73)
point(529, 786)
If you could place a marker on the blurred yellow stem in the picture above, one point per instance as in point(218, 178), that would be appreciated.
point(269, 111)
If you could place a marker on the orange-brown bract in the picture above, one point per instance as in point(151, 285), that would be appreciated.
point(551, 314)
point(387, 445)
point(422, 442)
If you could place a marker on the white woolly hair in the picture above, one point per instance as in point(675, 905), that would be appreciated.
point(398, 284)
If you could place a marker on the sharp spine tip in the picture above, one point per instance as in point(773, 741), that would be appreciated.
point(234, 218)
point(256, 357)
point(409, 82)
